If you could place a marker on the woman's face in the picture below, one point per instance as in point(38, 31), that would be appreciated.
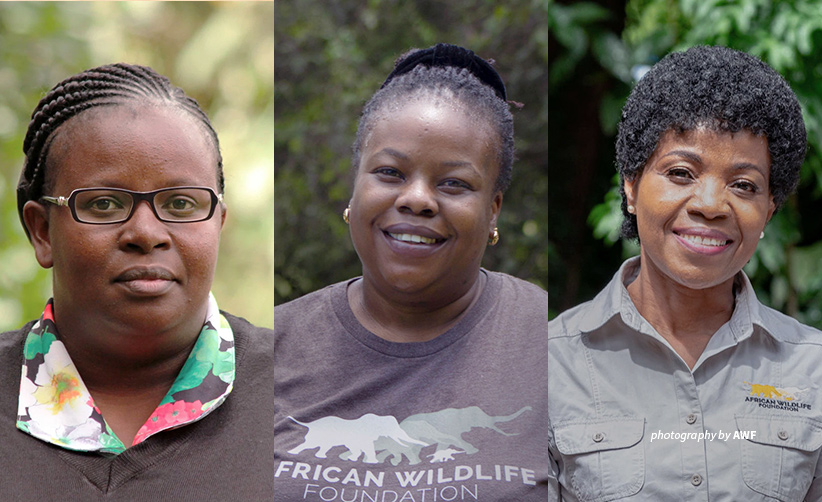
point(424, 203)
point(139, 148)
point(701, 202)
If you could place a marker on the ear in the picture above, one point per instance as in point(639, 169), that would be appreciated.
point(771, 208)
point(496, 206)
point(36, 217)
point(630, 194)
point(223, 210)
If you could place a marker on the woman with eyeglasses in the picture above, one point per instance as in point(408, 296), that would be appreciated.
point(132, 385)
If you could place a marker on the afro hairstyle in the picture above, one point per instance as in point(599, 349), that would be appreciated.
point(718, 88)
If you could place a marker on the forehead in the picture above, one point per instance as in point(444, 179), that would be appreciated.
point(433, 127)
point(718, 142)
point(132, 143)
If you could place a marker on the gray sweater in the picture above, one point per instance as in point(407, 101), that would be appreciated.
point(224, 457)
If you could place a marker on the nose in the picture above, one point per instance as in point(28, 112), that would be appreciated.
point(709, 199)
point(143, 232)
point(417, 198)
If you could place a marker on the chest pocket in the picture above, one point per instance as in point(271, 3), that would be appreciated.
point(780, 459)
point(604, 459)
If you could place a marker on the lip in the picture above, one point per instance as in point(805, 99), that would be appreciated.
point(405, 228)
point(705, 233)
point(409, 249)
point(146, 281)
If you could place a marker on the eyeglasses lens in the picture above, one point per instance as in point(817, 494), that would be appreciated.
point(112, 206)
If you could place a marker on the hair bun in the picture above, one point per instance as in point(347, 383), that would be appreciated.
point(450, 55)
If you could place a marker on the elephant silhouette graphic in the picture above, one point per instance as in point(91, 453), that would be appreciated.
point(443, 455)
point(359, 436)
point(443, 428)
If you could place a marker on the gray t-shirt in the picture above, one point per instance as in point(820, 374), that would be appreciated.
point(460, 417)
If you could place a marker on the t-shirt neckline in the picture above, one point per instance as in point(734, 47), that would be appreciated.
point(342, 309)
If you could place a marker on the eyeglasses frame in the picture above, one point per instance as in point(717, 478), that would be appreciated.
point(138, 197)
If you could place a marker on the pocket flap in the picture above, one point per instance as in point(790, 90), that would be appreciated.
point(800, 433)
point(575, 438)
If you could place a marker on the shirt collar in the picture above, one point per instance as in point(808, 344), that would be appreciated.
point(615, 300)
point(55, 406)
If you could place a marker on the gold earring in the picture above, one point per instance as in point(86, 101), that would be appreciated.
point(346, 215)
point(631, 209)
point(494, 237)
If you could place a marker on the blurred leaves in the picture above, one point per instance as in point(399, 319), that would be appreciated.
point(220, 53)
point(330, 58)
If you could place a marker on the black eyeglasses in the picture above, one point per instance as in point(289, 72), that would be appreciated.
point(104, 206)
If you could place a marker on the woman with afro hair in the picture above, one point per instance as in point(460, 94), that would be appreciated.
point(675, 382)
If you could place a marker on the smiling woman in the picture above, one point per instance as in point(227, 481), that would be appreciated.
point(388, 371)
point(709, 147)
point(131, 370)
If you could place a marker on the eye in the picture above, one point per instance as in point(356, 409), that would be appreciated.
point(679, 174)
point(180, 204)
point(102, 204)
point(745, 186)
point(388, 172)
point(455, 185)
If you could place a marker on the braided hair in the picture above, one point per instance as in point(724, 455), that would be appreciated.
point(452, 73)
point(106, 85)
point(723, 90)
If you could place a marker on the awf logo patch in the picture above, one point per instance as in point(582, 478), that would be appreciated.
point(780, 398)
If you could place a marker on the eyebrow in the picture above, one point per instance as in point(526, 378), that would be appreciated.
point(696, 158)
point(394, 153)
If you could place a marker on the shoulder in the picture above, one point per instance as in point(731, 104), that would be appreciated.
point(309, 309)
point(514, 305)
point(254, 345)
point(12, 340)
point(512, 290)
point(241, 325)
point(786, 329)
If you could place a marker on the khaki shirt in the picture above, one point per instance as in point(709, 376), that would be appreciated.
point(629, 420)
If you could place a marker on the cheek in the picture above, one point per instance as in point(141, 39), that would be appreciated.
point(198, 251)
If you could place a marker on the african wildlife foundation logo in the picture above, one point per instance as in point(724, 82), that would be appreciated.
point(779, 398)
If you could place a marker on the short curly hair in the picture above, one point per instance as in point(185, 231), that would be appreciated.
point(719, 88)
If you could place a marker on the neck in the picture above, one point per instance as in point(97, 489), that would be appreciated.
point(127, 369)
point(400, 320)
point(685, 317)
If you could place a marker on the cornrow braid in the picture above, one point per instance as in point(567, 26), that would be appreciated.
point(102, 86)
point(456, 75)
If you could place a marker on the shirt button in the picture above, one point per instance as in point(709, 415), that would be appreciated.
point(598, 437)
point(696, 480)
point(691, 418)
point(782, 435)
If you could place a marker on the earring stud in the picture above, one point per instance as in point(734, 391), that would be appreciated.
point(631, 209)
point(494, 237)
point(346, 215)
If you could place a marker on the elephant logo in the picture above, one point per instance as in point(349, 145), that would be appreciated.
point(377, 439)
point(359, 436)
point(443, 455)
point(445, 429)
point(771, 392)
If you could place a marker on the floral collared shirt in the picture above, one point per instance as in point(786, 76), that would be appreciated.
point(55, 405)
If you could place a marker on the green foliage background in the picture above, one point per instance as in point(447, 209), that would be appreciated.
point(593, 48)
point(222, 54)
point(330, 58)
